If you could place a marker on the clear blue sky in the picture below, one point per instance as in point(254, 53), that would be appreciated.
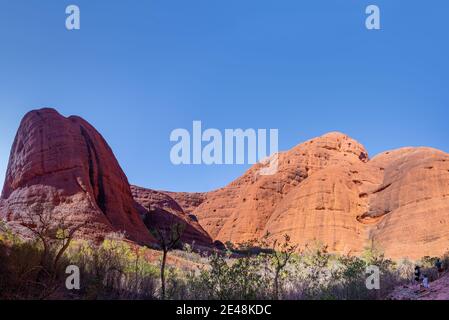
point(139, 69)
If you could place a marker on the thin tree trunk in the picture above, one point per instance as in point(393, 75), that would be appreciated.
point(164, 258)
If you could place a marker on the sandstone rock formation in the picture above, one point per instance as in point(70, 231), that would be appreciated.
point(189, 201)
point(327, 190)
point(242, 210)
point(411, 202)
point(161, 211)
point(65, 164)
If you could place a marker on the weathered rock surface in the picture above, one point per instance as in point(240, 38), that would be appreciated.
point(162, 211)
point(327, 190)
point(189, 201)
point(412, 202)
point(66, 165)
point(242, 210)
point(324, 190)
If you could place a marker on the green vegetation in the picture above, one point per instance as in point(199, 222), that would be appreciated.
point(112, 270)
point(167, 239)
point(116, 269)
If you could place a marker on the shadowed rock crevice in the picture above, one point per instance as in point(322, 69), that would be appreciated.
point(95, 180)
point(382, 188)
point(159, 210)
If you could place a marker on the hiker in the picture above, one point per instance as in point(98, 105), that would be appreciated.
point(425, 282)
point(417, 274)
point(439, 267)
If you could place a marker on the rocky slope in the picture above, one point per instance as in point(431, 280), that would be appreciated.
point(327, 190)
point(255, 204)
point(411, 203)
point(65, 165)
point(161, 211)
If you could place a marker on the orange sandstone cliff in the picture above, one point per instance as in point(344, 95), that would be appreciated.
point(325, 190)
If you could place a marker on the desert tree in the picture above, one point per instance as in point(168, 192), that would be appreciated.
point(53, 230)
point(168, 237)
point(281, 253)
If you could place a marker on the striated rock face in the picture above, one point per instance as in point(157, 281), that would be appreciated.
point(65, 164)
point(242, 210)
point(325, 208)
point(411, 202)
point(162, 211)
point(327, 190)
point(189, 201)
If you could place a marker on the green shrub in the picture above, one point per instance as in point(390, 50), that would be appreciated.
point(117, 269)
